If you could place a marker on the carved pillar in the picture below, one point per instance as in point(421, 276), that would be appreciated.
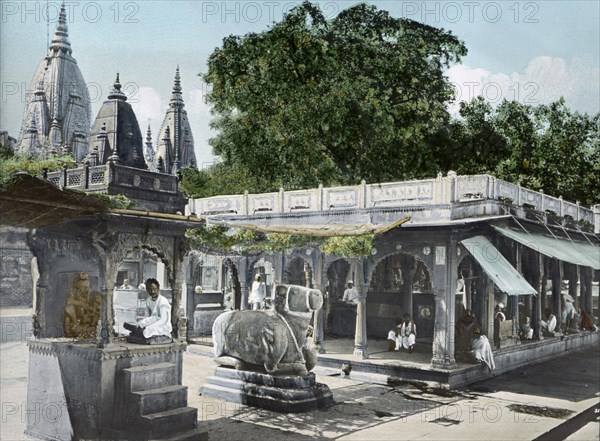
point(533, 277)
point(572, 273)
point(514, 300)
point(177, 278)
point(445, 276)
point(319, 331)
point(360, 335)
point(243, 274)
point(408, 268)
point(39, 318)
point(488, 305)
point(108, 256)
point(587, 276)
point(544, 282)
point(557, 277)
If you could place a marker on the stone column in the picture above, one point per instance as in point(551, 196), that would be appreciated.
point(557, 276)
point(587, 275)
point(533, 277)
point(408, 268)
point(444, 277)
point(573, 277)
point(544, 280)
point(109, 262)
point(243, 275)
point(318, 325)
point(360, 335)
point(487, 322)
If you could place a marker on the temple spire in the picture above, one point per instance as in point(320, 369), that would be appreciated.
point(115, 92)
point(176, 98)
point(61, 35)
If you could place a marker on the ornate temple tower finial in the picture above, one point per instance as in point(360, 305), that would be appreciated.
point(160, 165)
point(149, 150)
point(55, 134)
point(60, 41)
point(180, 134)
point(115, 92)
point(114, 158)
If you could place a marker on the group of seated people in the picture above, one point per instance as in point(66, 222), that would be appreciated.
point(404, 336)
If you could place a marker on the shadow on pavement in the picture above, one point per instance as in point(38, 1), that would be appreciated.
point(573, 377)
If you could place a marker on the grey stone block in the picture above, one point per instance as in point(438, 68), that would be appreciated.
point(160, 400)
point(158, 375)
point(171, 421)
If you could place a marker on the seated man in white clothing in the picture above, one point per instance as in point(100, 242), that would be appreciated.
point(351, 293)
point(549, 325)
point(407, 335)
point(156, 328)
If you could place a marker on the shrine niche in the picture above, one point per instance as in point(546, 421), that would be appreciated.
point(82, 309)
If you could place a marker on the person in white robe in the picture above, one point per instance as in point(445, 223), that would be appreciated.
point(481, 349)
point(158, 322)
point(257, 294)
point(351, 294)
point(407, 335)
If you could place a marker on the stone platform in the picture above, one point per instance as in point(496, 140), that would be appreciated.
point(286, 394)
point(122, 391)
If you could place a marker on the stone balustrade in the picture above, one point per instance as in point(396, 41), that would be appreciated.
point(98, 178)
point(442, 190)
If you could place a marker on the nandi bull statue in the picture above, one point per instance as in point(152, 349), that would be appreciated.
point(273, 340)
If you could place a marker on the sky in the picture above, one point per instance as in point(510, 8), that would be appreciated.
point(532, 51)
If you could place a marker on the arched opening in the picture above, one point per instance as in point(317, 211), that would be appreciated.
point(400, 284)
point(295, 273)
point(265, 269)
point(129, 299)
point(339, 318)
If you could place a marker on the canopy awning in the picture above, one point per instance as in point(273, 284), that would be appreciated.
point(314, 230)
point(504, 275)
point(577, 253)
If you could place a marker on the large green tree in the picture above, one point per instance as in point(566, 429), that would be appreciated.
point(313, 101)
point(543, 147)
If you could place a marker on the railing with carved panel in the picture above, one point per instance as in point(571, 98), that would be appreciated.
point(97, 178)
point(428, 192)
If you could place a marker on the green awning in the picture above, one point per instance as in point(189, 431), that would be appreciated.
point(504, 275)
point(577, 253)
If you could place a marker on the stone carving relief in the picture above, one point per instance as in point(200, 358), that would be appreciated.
point(346, 198)
point(82, 309)
point(422, 191)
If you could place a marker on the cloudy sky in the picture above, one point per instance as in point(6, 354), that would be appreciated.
point(532, 51)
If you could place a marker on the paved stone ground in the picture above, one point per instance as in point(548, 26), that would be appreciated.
point(519, 405)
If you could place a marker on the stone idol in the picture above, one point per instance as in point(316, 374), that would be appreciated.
point(265, 357)
point(82, 309)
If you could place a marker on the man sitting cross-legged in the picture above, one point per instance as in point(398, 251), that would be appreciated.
point(156, 328)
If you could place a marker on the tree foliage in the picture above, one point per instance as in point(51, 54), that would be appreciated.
point(313, 101)
point(543, 147)
point(363, 96)
point(10, 164)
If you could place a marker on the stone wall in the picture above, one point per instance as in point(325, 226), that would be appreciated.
point(16, 283)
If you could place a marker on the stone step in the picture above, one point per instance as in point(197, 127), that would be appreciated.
point(161, 399)
point(155, 376)
point(191, 435)
point(174, 421)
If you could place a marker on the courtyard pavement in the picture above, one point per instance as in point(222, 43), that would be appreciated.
point(519, 405)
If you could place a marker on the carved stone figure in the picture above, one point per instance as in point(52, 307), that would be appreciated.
point(82, 309)
point(273, 340)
